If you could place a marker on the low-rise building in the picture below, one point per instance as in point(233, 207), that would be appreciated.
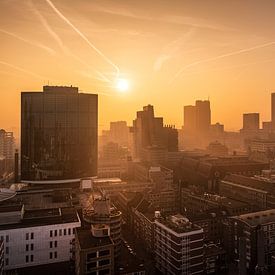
point(37, 237)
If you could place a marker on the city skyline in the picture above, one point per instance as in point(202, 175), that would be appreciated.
point(180, 51)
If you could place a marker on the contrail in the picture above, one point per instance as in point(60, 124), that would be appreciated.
point(33, 43)
point(83, 36)
point(47, 27)
point(221, 56)
point(60, 43)
point(23, 70)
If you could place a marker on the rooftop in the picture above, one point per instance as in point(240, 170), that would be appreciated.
point(178, 224)
point(42, 217)
point(258, 218)
point(87, 240)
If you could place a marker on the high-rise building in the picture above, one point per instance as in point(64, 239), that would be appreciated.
point(58, 134)
point(273, 110)
point(189, 118)
point(197, 119)
point(251, 122)
point(6, 152)
point(149, 131)
point(119, 132)
point(203, 116)
point(6, 144)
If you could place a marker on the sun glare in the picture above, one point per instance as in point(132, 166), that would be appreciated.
point(122, 85)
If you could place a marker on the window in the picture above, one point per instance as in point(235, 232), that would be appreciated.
point(7, 238)
point(31, 258)
point(32, 236)
point(60, 232)
point(51, 255)
point(51, 233)
point(55, 243)
point(55, 254)
point(91, 265)
point(2, 238)
point(55, 233)
point(51, 244)
point(65, 231)
point(69, 231)
point(91, 255)
point(104, 262)
point(104, 253)
point(27, 236)
point(27, 258)
point(27, 247)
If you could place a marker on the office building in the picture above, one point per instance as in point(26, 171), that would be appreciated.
point(37, 237)
point(58, 134)
point(7, 143)
point(178, 246)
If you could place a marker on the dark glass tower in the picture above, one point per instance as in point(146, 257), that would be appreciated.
point(58, 134)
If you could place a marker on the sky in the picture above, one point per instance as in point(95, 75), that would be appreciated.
point(172, 52)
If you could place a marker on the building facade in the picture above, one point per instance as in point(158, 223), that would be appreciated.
point(178, 246)
point(58, 134)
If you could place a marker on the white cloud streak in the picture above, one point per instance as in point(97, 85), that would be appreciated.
point(32, 43)
point(98, 51)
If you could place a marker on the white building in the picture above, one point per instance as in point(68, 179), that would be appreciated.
point(37, 237)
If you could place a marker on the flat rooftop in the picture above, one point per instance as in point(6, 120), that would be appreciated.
point(87, 240)
point(258, 218)
point(42, 217)
point(182, 226)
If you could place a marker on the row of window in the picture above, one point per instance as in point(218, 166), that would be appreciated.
point(65, 231)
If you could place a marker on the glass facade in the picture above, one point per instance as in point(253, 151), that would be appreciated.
point(58, 134)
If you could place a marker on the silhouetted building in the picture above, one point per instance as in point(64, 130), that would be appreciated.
point(150, 136)
point(203, 116)
point(171, 138)
point(251, 122)
point(190, 119)
point(58, 134)
point(217, 129)
point(273, 110)
point(217, 149)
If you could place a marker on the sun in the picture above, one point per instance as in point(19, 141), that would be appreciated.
point(122, 85)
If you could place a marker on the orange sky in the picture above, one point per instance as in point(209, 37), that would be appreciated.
point(172, 53)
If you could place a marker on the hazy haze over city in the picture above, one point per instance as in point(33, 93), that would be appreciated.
point(170, 52)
